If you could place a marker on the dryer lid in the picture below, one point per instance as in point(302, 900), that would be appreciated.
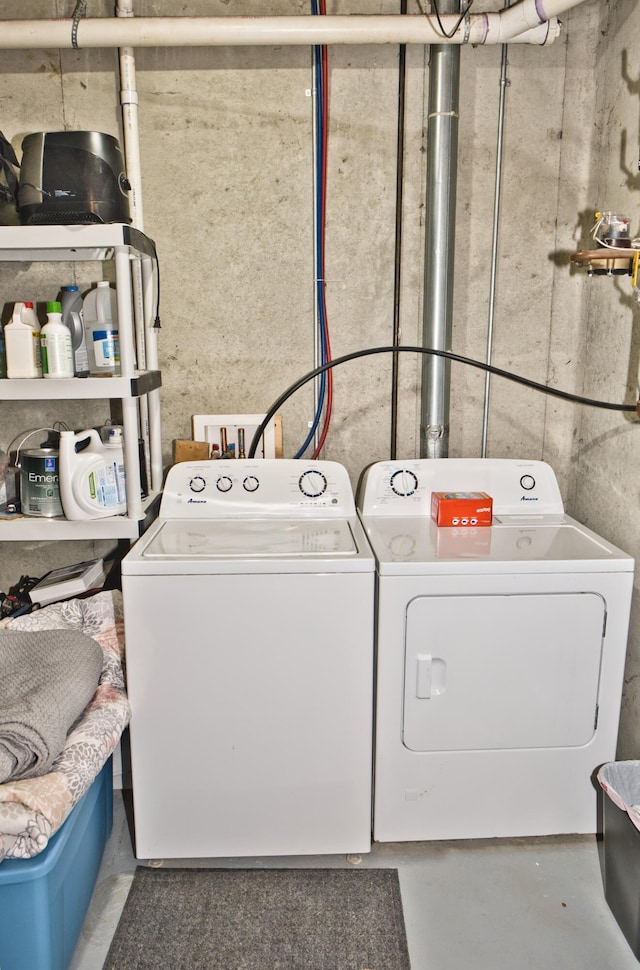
point(416, 546)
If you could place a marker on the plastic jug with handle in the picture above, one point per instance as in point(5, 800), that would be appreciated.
point(100, 310)
point(92, 479)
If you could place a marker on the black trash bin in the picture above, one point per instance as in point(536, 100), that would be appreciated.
point(620, 782)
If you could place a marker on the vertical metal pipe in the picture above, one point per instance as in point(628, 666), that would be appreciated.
point(397, 275)
point(504, 83)
point(442, 158)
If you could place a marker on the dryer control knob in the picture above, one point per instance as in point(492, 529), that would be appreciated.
point(312, 483)
point(224, 484)
point(403, 482)
point(197, 483)
point(528, 482)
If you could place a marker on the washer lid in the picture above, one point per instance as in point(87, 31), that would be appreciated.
point(416, 546)
point(254, 539)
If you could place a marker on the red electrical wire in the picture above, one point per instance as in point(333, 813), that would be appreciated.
point(324, 60)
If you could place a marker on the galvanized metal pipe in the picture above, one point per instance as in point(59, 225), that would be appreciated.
point(504, 82)
point(397, 262)
point(442, 159)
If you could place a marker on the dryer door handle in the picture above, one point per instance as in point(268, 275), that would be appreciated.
point(431, 676)
point(424, 666)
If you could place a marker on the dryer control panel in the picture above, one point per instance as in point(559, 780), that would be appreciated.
point(518, 488)
point(256, 486)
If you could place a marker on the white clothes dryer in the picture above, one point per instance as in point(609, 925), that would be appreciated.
point(500, 654)
point(249, 609)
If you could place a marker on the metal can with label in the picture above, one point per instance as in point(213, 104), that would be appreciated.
point(39, 483)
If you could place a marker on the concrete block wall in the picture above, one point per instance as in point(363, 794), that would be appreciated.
point(225, 140)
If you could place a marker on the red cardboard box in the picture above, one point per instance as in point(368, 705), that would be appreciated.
point(461, 508)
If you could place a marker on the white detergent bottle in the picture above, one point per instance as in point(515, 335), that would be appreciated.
point(100, 310)
point(92, 481)
point(57, 350)
point(22, 342)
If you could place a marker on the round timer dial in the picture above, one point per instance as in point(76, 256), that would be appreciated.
point(404, 482)
point(312, 483)
point(197, 483)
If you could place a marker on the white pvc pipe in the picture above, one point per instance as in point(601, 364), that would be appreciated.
point(131, 135)
point(254, 31)
point(142, 271)
point(530, 21)
point(129, 105)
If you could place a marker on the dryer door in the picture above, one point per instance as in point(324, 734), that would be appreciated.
point(502, 671)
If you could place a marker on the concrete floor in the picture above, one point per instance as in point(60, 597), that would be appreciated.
point(516, 904)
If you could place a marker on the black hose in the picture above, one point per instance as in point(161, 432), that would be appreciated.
point(370, 351)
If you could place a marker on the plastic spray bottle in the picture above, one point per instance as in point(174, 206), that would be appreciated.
point(22, 342)
point(100, 307)
point(73, 318)
point(92, 480)
point(57, 351)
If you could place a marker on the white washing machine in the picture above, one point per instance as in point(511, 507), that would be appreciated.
point(249, 610)
point(500, 654)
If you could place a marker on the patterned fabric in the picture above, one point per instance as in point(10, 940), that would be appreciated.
point(621, 781)
point(32, 810)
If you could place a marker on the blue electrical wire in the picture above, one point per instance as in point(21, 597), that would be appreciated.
point(319, 268)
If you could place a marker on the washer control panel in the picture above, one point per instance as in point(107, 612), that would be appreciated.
point(259, 486)
point(518, 488)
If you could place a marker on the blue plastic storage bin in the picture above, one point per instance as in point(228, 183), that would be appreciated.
point(44, 900)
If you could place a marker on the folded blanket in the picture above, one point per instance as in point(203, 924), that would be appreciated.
point(47, 678)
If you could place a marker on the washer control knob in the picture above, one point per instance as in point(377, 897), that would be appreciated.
point(251, 484)
point(197, 483)
point(224, 484)
point(312, 483)
point(404, 482)
point(528, 482)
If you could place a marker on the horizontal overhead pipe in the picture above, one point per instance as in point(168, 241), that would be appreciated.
point(530, 21)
